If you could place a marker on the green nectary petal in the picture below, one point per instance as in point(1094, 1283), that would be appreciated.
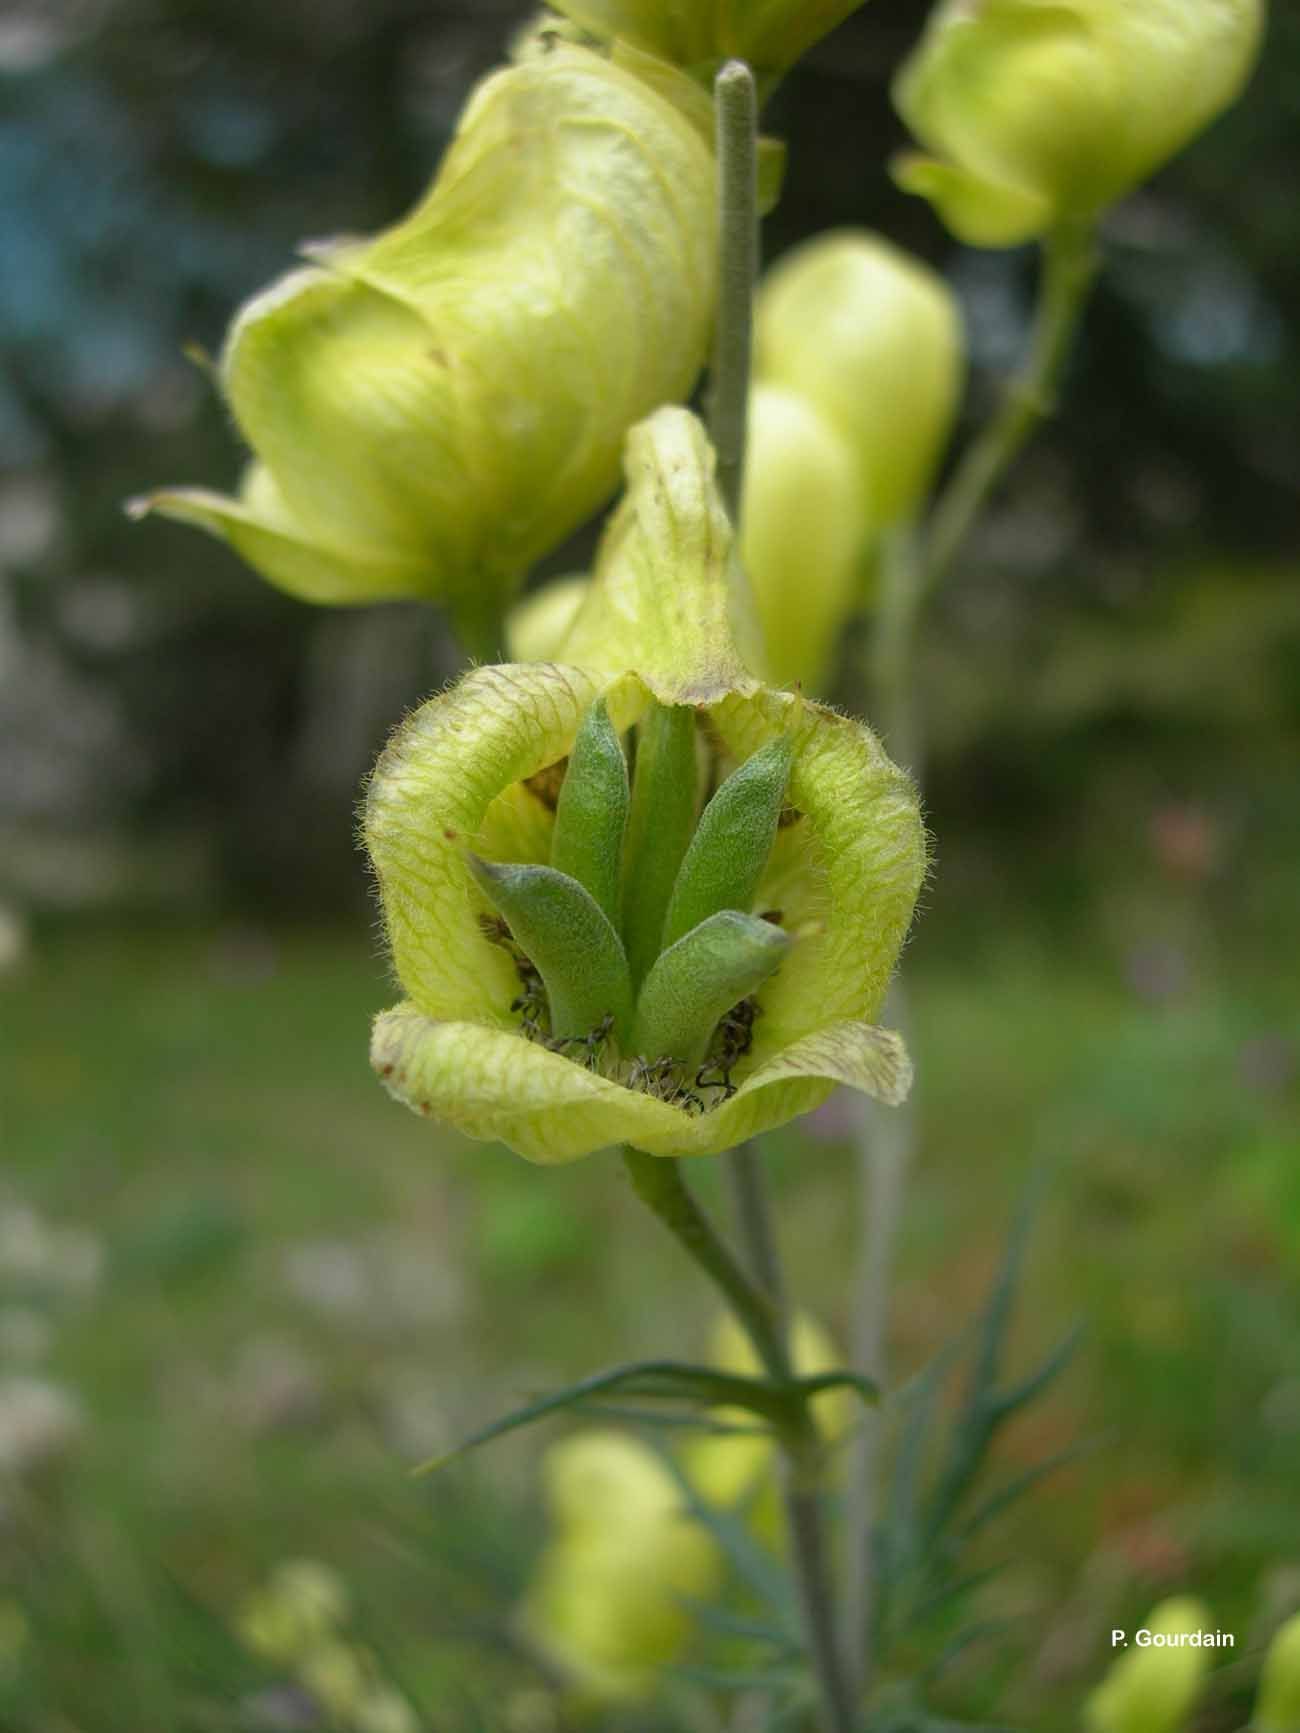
point(591, 814)
point(571, 943)
point(697, 980)
point(448, 784)
point(729, 851)
point(495, 1085)
point(669, 600)
point(665, 802)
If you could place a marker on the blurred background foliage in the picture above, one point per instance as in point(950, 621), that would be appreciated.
point(239, 1291)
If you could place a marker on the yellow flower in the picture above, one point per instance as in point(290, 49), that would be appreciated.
point(1153, 1687)
point(606, 1604)
point(1037, 112)
point(1277, 1708)
point(769, 34)
point(433, 409)
point(871, 339)
point(461, 817)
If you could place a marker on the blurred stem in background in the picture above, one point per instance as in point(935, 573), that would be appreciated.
point(917, 561)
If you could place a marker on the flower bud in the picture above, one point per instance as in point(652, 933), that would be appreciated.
point(803, 530)
point(517, 1015)
point(1153, 1688)
point(870, 338)
point(606, 1604)
point(1035, 114)
point(433, 409)
point(769, 34)
point(1277, 1708)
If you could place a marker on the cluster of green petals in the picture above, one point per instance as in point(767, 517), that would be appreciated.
point(433, 409)
point(1035, 113)
point(460, 795)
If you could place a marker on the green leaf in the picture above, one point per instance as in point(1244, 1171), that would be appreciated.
point(570, 942)
point(651, 1380)
point(731, 844)
point(664, 798)
point(591, 814)
point(699, 979)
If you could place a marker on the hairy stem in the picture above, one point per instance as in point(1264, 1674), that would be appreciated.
point(736, 123)
point(915, 566)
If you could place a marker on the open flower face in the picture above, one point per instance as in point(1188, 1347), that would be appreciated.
point(433, 409)
point(1037, 112)
point(675, 958)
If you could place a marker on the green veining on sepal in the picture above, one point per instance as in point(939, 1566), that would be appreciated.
point(591, 814)
point(731, 845)
point(699, 979)
point(570, 942)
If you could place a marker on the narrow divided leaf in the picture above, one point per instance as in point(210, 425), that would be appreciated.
point(648, 1380)
point(571, 943)
point(591, 813)
point(664, 795)
point(698, 980)
point(732, 842)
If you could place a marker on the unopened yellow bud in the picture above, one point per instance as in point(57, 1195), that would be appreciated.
point(1153, 1687)
point(803, 528)
point(433, 409)
point(1038, 112)
point(1277, 1709)
point(606, 1604)
point(700, 34)
point(871, 339)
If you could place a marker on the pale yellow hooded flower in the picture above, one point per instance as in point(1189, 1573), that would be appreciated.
point(466, 794)
point(433, 409)
point(1154, 1688)
point(1034, 113)
point(606, 1606)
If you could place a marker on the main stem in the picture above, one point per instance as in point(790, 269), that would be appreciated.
point(915, 566)
point(657, 1181)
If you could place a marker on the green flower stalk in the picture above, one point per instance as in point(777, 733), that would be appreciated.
point(1154, 1689)
point(1035, 113)
point(434, 408)
point(607, 1606)
point(766, 853)
point(871, 339)
point(770, 35)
